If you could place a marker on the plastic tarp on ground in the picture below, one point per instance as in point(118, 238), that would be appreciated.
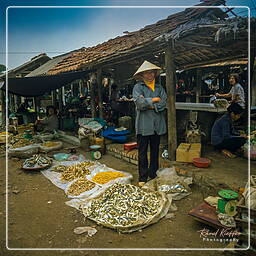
point(38, 85)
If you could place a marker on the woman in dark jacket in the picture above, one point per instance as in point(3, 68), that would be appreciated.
point(224, 136)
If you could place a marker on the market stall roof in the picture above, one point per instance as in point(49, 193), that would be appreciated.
point(38, 85)
point(28, 66)
point(42, 70)
point(198, 35)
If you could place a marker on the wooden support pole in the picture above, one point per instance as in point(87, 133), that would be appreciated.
point(3, 106)
point(171, 110)
point(17, 100)
point(99, 82)
point(198, 84)
point(36, 104)
point(54, 98)
point(63, 95)
point(11, 103)
point(92, 94)
point(60, 99)
point(253, 83)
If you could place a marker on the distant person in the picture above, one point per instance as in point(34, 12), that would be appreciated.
point(50, 123)
point(114, 104)
point(236, 93)
point(150, 101)
point(223, 136)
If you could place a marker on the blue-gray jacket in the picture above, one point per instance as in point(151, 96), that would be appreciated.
point(222, 129)
point(149, 121)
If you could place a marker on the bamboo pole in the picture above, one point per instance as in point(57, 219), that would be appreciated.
point(171, 98)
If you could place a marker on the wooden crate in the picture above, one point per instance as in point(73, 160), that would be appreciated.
point(186, 152)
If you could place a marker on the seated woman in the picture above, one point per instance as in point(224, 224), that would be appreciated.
point(224, 136)
point(50, 123)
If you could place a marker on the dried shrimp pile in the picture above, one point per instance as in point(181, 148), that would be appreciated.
point(79, 186)
point(76, 171)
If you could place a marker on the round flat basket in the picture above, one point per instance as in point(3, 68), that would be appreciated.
point(38, 168)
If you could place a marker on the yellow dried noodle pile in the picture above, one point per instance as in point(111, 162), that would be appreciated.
point(104, 177)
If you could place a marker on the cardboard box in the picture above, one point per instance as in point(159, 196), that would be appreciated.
point(186, 152)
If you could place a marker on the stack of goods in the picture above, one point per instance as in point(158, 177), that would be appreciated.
point(105, 177)
point(76, 171)
point(37, 162)
point(79, 186)
point(3, 136)
point(124, 206)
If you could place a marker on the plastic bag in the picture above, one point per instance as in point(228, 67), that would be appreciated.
point(251, 152)
point(169, 182)
point(61, 156)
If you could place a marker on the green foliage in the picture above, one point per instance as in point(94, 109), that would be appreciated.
point(2, 68)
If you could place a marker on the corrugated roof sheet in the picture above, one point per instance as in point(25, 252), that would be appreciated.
point(41, 57)
point(42, 70)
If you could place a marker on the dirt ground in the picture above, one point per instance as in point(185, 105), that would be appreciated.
point(38, 217)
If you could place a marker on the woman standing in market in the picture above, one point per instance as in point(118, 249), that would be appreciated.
point(150, 101)
point(224, 137)
point(236, 93)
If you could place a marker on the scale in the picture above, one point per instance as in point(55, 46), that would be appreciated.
point(28, 134)
point(227, 204)
point(96, 154)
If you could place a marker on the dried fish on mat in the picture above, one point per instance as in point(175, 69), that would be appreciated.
point(37, 161)
point(79, 186)
point(59, 168)
point(126, 207)
point(105, 177)
point(76, 171)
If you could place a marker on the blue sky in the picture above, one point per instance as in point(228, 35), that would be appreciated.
point(58, 30)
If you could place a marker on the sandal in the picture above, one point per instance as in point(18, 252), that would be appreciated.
point(228, 153)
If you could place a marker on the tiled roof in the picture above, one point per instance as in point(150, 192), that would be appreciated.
point(86, 56)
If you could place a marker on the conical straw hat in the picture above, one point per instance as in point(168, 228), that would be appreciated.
point(146, 66)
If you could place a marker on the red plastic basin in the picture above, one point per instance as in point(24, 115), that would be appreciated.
point(201, 162)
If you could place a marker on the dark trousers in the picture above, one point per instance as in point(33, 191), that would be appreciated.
point(231, 144)
point(146, 171)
